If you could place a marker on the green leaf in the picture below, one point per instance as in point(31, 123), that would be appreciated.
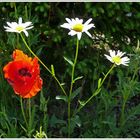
point(23, 127)
point(132, 112)
point(75, 93)
point(82, 103)
point(78, 78)
point(98, 91)
point(138, 44)
point(52, 68)
point(69, 61)
point(75, 121)
point(62, 84)
point(138, 47)
point(54, 120)
point(99, 82)
point(61, 97)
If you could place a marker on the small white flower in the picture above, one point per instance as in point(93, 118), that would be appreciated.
point(116, 57)
point(76, 26)
point(18, 27)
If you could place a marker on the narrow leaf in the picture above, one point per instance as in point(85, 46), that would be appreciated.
point(82, 103)
point(99, 82)
point(138, 44)
point(69, 61)
point(78, 78)
point(52, 68)
point(98, 91)
point(75, 93)
point(61, 97)
point(76, 121)
point(62, 84)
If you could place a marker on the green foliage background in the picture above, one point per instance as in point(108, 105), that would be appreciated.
point(120, 25)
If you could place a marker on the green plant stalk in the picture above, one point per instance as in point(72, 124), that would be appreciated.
point(29, 108)
point(107, 74)
point(26, 12)
point(43, 64)
point(122, 118)
point(96, 91)
point(15, 8)
point(122, 114)
point(71, 87)
point(29, 103)
point(16, 14)
point(23, 113)
point(135, 73)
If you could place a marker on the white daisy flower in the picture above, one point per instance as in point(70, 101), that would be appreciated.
point(116, 57)
point(18, 27)
point(76, 26)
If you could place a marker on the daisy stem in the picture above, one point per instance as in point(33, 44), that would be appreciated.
point(95, 92)
point(23, 113)
point(71, 87)
point(34, 54)
point(43, 65)
point(107, 74)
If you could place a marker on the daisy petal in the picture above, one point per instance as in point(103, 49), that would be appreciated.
point(72, 33)
point(88, 21)
point(68, 20)
point(116, 57)
point(29, 28)
point(26, 24)
point(88, 27)
point(76, 26)
point(7, 27)
point(79, 35)
point(88, 34)
point(20, 20)
point(18, 27)
point(26, 33)
point(112, 53)
point(108, 57)
point(9, 24)
point(66, 25)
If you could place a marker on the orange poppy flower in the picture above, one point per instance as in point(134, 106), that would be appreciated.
point(23, 74)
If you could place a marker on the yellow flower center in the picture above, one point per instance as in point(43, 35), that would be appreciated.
point(78, 27)
point(116, 59)
point(19, 28)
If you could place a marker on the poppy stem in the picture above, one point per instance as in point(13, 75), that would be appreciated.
point(29, 103)
point(22, 109)
point(43, 64)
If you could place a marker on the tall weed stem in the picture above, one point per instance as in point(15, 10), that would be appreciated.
point(122, 114)
point(97, 91)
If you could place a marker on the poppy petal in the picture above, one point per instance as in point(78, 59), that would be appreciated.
point(35, 89)
point(23, 74)
point(19, 55)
